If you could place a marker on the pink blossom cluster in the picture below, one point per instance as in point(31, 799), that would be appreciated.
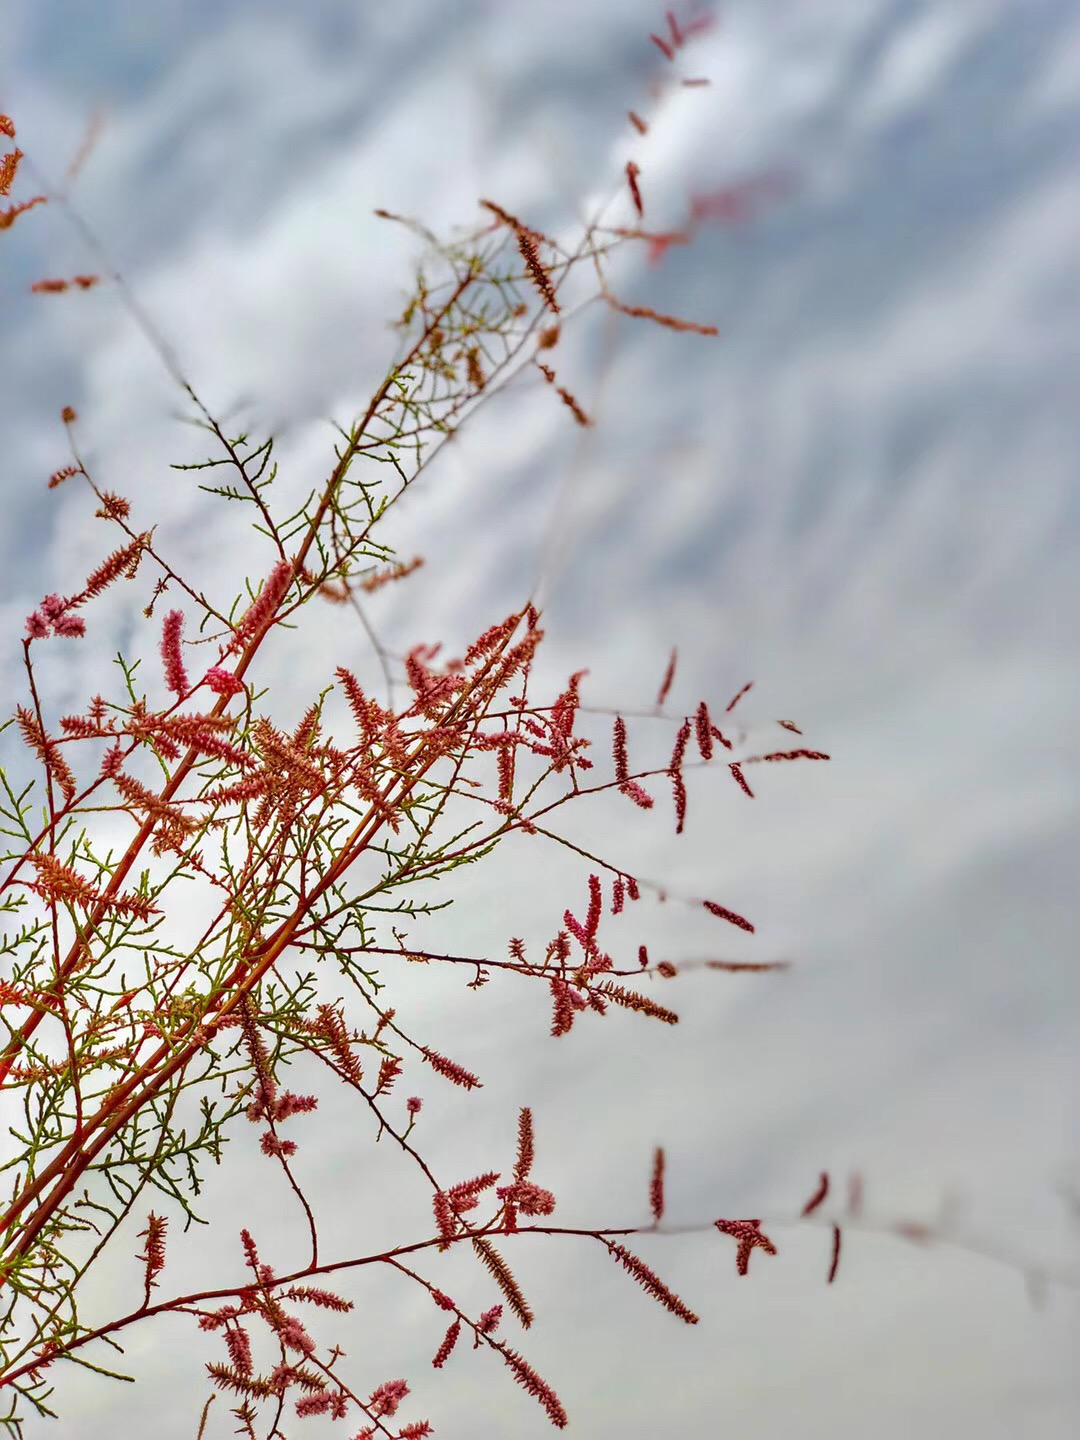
point(53, 617)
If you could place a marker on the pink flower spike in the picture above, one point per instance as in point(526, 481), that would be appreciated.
point(449, 1341)
point(71, 625)
point(704, 731)
point(733, 702)
point(450, 1069)
point(222, 681)
point(295, 1337)
point(239, 1347)
point(639, 796)
point(386, 1399)
point(576, 929)
point(52, 606)
point(679, 749)
point(618, 748)
point(289, 1104)
point(175, 674)
point(414, 1104)
point(315, 1404)
point(112, 760)
point(265, 605)
point(596, 901)
point(618, 893)
point(37, 627)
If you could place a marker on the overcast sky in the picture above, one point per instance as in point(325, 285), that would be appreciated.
point(862, 496)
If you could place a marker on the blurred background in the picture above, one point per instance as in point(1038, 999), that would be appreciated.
point(861, 496)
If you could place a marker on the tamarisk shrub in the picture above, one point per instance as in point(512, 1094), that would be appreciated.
point(156, 994)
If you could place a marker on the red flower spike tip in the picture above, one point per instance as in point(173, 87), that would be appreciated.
point(678, 786)
point(386, 1399)
point(818, 1197)
point(656, 1186)
point(736, 770)
point(717, 736)
point(632, 173)
point(703, 731)
point(733, 702)
point(834, 1263)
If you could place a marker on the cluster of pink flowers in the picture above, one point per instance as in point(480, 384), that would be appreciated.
point(53, 617)
point(222, 681)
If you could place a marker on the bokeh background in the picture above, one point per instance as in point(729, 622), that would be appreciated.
point(862, 496)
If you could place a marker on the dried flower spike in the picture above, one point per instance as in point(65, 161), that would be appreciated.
point(153, 1254)
point(819, 1195)
point(656, 1186)
point(834, 1263)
